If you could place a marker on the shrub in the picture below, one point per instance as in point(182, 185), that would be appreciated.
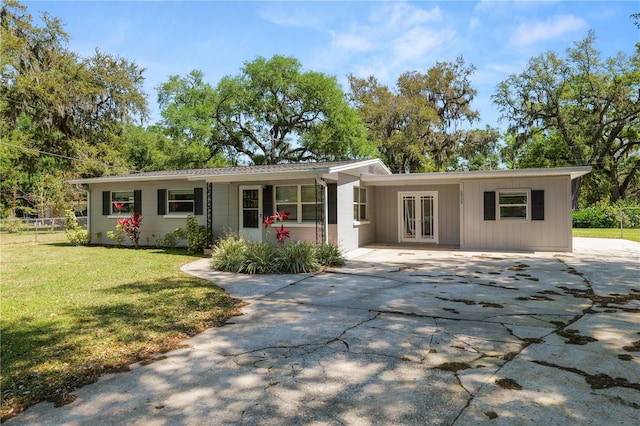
point(608, 216)
point(198, 236)
point(259, 258)
point(169, 240)
point(595, 217)
point(295, 258)
point(76, 234)
point(229, 254)
point(329, 255)
point(14, 225)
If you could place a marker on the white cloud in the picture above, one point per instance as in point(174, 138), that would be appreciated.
point(529, 33)
point(352, 42)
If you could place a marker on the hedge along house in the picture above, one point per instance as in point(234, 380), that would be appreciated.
point(349, 203)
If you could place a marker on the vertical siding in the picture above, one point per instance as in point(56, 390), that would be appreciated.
point(386, 212)
point(153, 226)
point(551, 234)
point(225, 208)
point(347, 233)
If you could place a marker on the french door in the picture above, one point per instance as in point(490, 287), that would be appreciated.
point(418, 213)
point(250, 226)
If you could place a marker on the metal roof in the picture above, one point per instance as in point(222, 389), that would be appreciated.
point(452, 177)
point(246, 172)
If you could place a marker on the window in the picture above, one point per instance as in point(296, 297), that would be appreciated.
point(124, 200)
point(513, 204)
point(359, 204)
point(180, 201)
point(300, 201)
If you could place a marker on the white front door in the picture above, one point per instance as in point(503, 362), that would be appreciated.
point(251, 213)
point(418, 213)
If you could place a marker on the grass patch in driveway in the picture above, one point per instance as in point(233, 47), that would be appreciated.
point(71, 314)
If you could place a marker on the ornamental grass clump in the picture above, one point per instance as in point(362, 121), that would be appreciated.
point(329, 254)
point(297, 257)
point(260, 258)
point(230, 254)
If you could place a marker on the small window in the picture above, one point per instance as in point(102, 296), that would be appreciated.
point(513, 205)
point(360, 204)
point(122, 202)
point(180, 201)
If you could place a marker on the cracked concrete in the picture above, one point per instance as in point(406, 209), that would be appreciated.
point(401, 335)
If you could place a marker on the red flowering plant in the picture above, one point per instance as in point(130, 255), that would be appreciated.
point(282, 233)
point(130, 226)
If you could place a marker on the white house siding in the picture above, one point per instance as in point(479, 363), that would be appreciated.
point(386, 212)
point(551, 234)
point(153, 226)
point(350, 234)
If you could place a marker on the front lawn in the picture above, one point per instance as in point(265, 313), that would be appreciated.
point(627, 234)
point(71, 314)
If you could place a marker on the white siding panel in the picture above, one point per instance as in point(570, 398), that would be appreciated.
point(551, 234)
point(386, 212)
point(153, 226)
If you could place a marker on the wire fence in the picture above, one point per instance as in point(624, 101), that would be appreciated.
point(23, 230)
point(608, 217)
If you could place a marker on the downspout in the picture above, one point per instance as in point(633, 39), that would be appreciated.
point(81, 189)
point(325, 216)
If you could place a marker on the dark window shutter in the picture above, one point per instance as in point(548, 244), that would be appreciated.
point(106, 203)
point(537, 205)
point(332, 203)
point(137, 201)
point(489, 205)
point(267, 201)
point(197, 203)
point(162, 202)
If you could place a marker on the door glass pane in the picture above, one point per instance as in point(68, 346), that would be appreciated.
point(409, 209)
point(250, 198)
point(427, 217)
point(250, 218)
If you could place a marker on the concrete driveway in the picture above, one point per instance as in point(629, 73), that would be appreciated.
point(401, 336)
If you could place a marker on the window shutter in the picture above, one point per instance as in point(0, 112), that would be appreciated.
point(162, 202)
point(332, 203)
point(267, 201)
point(197, 202)
point(137, 201)
point(106, 203)
point(490, 205)
point(537, 205)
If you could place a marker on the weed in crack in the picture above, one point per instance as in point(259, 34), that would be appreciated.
point(491, 414)
point(634, 347)
point(597, 381)
point(574, 338)
point(535, 298)
point(506, 383)
point(453, 366)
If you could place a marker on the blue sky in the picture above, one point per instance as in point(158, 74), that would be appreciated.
point(380, 38)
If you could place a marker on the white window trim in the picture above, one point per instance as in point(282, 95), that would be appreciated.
point(513, 191)
point(367, 220)
point(299, 203)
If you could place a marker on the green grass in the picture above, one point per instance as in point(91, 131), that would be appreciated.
point(627, 234)
point(71, 314)
point(25, 237)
